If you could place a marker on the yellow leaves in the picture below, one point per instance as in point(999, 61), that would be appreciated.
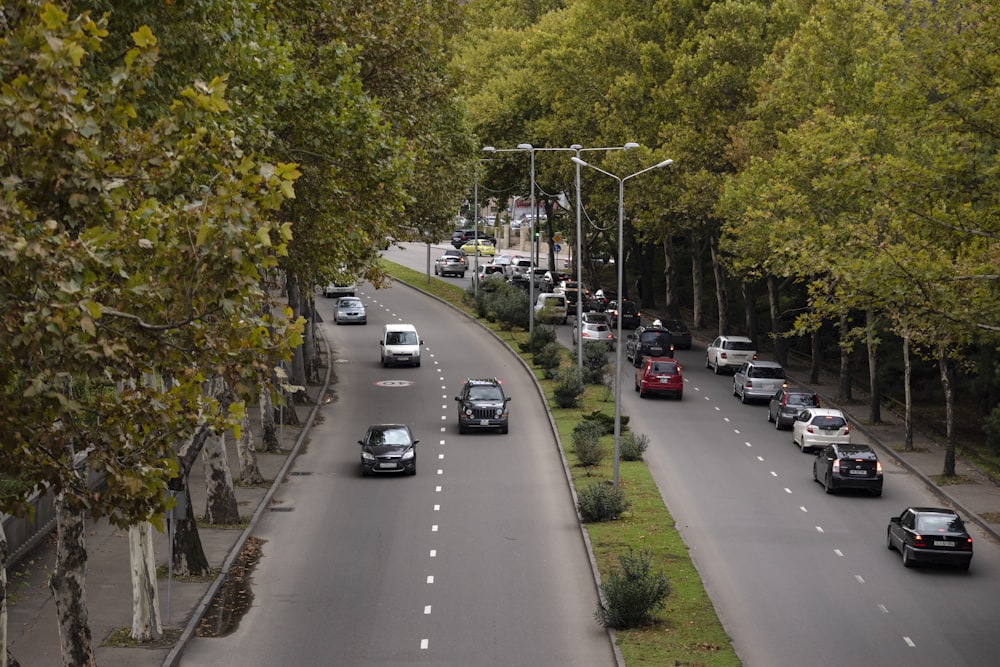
point(144, 37)
point(53, 17)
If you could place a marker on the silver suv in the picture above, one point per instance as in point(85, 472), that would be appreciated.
point(758, 380)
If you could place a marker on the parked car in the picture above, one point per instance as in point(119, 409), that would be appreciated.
point(659, 375)
point(630, 315)
point(787, 403)
point(680, 335)
point(598, 332)
point(728, 352)
point(450, 265)
point(818, 427)
point(757, 380)
point(848, 467)
point(551, 308)
point(479, 246)
point(482, 404)
point(648, 342)
point(388, 448)
point(930, 535)
point(350, 309)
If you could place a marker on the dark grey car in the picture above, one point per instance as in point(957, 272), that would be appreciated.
point(787, 403)
point(388, 448)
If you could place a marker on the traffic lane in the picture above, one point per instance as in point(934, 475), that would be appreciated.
point(754, 469)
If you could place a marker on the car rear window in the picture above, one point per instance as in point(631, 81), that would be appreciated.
point(828, 422)
point(669, 367)
point(938, 523)
point(768, 372)
point(738, 345)
point(654, 337)
point(800, 399)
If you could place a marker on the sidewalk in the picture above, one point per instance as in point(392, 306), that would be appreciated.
point(32, 631)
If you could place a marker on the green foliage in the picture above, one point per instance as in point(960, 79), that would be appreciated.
point(991, 425)
point(569, 387)
point(601, 501)
point(497, 301)
point(541, 336)
point(606, 421)
point(587, 443)
point(595, 362)
point(633, 594)
point(549, 357)
point(632, 446)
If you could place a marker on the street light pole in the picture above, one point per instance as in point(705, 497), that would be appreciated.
point(579, 249)
point(621, 275)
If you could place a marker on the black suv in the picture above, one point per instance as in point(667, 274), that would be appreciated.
point(482, 405)
point(631, 317)
point(648, 342)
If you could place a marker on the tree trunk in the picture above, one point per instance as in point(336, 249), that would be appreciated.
point(671, 300)
point(721, 295)
point(270, 433)
point(188, 555)
point(145, 594)
point(247, 455)
point(309, 338)
point(774, 302)
point(68, 585)
point(6, 659)
point(750, 311)
point(948, 385)
point(817, 357)
point(907, 394)
point(875, 391)
point(697, 286)
point(221, 507)
point(298, 370)
point(845, 393)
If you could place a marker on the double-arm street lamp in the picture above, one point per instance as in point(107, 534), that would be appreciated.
point(621, 268)
point(579, 247)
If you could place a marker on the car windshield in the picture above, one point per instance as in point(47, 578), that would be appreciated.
point(939, 523)
point(668, 367)
point(485, 393)
point(738, 345)
point(350, 303)
point(401, 338)
point(388, 436)
point(768, 372)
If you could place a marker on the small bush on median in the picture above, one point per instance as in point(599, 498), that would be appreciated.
point(633, 446)
point(549, 358)
point(601, 501)
point(569, 387)
point(540, 337)
point(632, 593)
point(595, 361)
point(587, 443)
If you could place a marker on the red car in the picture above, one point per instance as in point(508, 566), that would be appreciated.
point(661, 375)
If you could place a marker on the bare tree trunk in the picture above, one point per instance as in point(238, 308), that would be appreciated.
point(697, 285)
point(817, 357)
point(220, 506)
point(875, 391)
point(948, 385)
point(774, 303)
point(249, 472)
point(721, 295)
point(68, 585)
point(309, 338)
point(845, 393)
point(145, 594)
point(270, 433)
point(6, 659)
point(750, 311)
point(298, 370)
point(189, 558)
point(907, 394)
point(672, 304)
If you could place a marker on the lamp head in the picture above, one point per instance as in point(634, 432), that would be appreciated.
point(489, 149)
point(630, 145)
point(578, 161)
point(576, 147)
point(525, 147)
point(665, 163)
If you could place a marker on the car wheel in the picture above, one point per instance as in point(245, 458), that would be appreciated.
point(815, 476)
point(503, 429)
point(336, 321)
point(828, 484)
point(777, 424)
point(364, 471)
point(461, 429)
point(965, 566)
point(637, 386)
point(461, 275)
point(888, 541)
point(707, 365)
point(743, 397)
point(642, 393)
point(769, 417)
point(876, 493)
point(716, 369)
point(907, 559)
point(413, 471)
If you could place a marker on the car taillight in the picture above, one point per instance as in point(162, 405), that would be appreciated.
point(878, 467)
point(836, 465)
point(722, 355)
point(755, 357)
point(967, 545)
point(918, 541)
point(810, 429)
point(847, 429)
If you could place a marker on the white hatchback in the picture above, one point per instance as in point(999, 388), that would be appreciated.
point(815, 428)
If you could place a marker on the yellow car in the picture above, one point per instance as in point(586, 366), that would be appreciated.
point(479, 247)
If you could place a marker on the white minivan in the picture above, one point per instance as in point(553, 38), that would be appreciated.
point(551, 308)
point(400, 344)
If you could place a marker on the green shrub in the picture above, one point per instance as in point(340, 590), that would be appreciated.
point(607, 421)
point(541, 336)
point(549, 357)
point(595, 361)
point(601, 501)
point(569, 387)
point(632, 446)
point(632, 594)
point(510, 305)
point(587, 443)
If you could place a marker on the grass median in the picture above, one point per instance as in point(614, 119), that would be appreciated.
point(687, 631)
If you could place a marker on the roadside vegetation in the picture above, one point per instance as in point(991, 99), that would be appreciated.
point(644, 564)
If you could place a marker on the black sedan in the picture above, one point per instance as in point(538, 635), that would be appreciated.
point(930, 535)
point(388, 448)
point(848, 467)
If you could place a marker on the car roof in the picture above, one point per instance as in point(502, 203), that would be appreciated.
point(483, 381)
point(797, 389)
point(400, 327)
point(854, 447)
point(933, 510)
point(738, 339)
point(826, 412)
point(764, 364)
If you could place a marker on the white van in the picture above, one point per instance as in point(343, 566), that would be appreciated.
point(400, 344)
point(551, 308)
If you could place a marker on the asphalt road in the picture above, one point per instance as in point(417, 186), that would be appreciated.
point(475, 560)
point(797, 576)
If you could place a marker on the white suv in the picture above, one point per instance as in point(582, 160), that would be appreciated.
point(729, 352)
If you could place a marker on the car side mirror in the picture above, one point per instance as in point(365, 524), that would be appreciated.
point(458, 398)
point(507, 399)
point(381, 342)
point(415, 442)
point(361, 442)
point(894, 519)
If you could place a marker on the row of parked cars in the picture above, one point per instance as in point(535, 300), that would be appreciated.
point(921, 534)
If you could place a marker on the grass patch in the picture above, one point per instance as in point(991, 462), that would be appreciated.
point(687, 631)
point(121, 638)
point(952, 480)
point(992, 517)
